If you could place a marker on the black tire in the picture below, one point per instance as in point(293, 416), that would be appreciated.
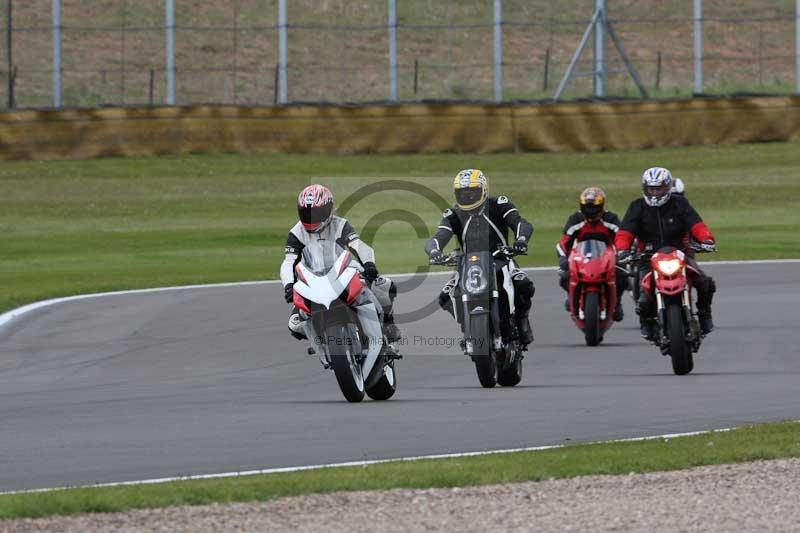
point(482, 353)
point(508, 377)
point(591, 318)
point(386, 386)
point(679, 349)
point(344, 362)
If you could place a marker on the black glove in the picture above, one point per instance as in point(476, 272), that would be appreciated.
point(708, 246)
point(563, 263)
point(624, 257)
point(521, 245)
point(436, 256)
point(288, 292)
point(370, 271)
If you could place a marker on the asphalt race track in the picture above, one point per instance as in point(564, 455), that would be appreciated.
point(207, 380)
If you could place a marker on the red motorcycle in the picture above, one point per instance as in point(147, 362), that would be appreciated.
point(592, 288)
point(677, 331)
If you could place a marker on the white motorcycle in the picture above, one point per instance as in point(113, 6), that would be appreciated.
point(345, 329)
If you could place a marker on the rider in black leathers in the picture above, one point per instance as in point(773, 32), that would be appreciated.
point(661, 218)
point(481, 223)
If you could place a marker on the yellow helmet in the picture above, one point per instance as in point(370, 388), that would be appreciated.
point(471, 188)
point(593, 203)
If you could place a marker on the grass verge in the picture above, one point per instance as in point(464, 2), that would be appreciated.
point(70, 227)
point(764, 441)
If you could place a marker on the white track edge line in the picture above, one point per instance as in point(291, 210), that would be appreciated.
point(8, 316)
point(289, 469)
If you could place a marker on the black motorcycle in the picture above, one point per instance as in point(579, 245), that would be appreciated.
point(485, 312)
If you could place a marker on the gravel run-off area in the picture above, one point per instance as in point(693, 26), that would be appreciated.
point(759, 496)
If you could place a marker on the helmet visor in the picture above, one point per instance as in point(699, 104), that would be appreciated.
point(315, 215)
point(656, 191)
point(469, 195)
point(591, 211)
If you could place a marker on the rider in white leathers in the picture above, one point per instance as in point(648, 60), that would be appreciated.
point(319, 238)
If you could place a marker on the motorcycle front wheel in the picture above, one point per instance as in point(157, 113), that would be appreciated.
point(591, 314)
point(482, 353)
point(342, 347)
point(679, 349)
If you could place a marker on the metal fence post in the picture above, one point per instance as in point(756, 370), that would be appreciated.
point(10, 52)
point(600, 74)
point(282, 53)
point(393, 50)
point(56, 53)
point(797, 45)
point(170, 6)
point(498, 50)
point(698, 46)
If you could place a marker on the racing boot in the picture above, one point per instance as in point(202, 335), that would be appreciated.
point(706, 322)
point(647, 326)
point(704, 299)
point(619, 314)
point(390, 329)
point(524, 329)
point(296, 326)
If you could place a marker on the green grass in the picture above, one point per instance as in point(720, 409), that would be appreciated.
point(767, 441)
point(69, 227)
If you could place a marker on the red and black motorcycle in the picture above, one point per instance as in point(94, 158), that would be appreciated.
point(677, 329)
point(592, 288)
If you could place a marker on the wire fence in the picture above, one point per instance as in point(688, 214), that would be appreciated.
point(114, 52)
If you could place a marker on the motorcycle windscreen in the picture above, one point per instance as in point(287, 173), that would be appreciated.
point(593, 249)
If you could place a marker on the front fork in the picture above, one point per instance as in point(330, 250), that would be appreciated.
point(693, 329)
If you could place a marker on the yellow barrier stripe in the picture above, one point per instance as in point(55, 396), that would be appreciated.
point(56, 134)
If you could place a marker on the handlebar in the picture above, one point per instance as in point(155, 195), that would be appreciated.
point(507, 251)
point(703, 248)
point(453, 257)
point(637, 256)
point(450, 259)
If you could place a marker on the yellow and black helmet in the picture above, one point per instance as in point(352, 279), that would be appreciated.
point(593, 203)
point(471, 188)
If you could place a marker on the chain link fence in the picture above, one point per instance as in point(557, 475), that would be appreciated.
point(113, 52)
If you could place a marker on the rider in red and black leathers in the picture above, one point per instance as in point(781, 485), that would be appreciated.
point(592, 222)
point(667, 224)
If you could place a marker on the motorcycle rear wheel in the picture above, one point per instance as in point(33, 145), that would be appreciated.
point(679, 349)
point(341, 349)
point(591, 313)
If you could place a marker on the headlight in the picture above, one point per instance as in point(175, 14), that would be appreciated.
point(669, 267)
point(476, 282)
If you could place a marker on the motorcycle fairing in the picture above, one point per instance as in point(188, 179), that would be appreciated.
point(325, 288)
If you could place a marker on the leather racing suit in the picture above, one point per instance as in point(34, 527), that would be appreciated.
point(667, 225)
point(318, 250)
point(579, 229)
point(483, 229)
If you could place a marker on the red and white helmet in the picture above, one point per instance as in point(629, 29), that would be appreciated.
point(315, 207)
